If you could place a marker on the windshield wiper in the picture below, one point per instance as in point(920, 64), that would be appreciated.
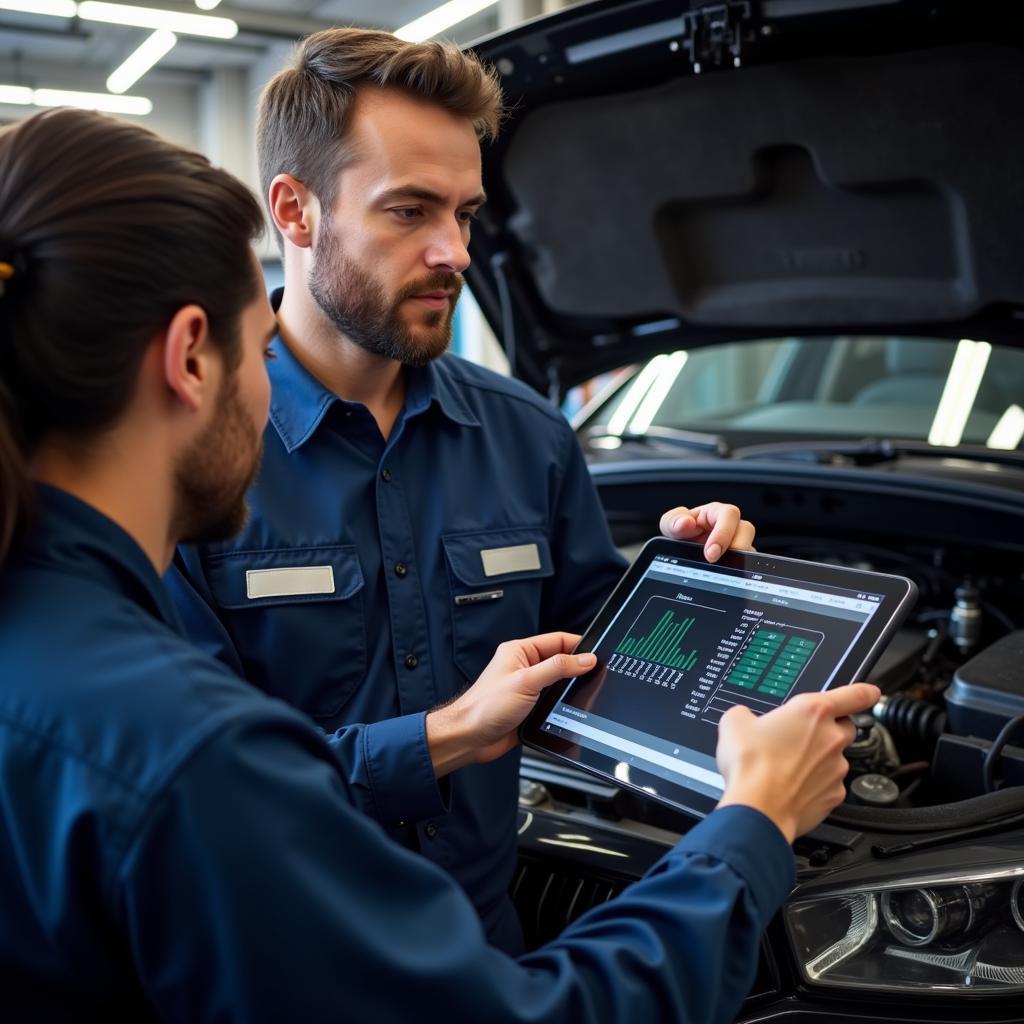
point(692, 440)
point(871, 451)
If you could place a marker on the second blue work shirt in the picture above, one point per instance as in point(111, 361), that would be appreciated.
point(395, 569)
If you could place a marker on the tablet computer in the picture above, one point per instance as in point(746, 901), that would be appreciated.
point(680, 640)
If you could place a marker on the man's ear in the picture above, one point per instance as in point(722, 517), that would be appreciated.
point(191, 362)
point(295, 210)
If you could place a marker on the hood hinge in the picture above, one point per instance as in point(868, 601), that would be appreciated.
point(714, 35)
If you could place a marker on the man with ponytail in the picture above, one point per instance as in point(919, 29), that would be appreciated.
point(176, 845)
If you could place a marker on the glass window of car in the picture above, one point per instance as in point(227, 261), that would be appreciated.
point(939, 390)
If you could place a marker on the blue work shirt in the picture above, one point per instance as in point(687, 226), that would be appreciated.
point(176, 845)
point(375, 578)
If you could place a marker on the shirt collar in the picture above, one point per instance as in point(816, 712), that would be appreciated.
point(71, 536)
point(299, 401)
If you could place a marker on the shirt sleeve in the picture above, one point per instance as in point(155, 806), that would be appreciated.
point(253, 892)
point(586, 562)
point(389, 770)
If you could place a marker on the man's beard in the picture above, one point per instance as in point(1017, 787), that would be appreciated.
point(215, 474)
point(358, 307)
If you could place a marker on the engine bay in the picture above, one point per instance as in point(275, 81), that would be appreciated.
point(951, 717)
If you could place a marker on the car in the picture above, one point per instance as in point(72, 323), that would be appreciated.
point(790, 231)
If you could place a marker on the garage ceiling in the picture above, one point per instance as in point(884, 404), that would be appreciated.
point(31, 44)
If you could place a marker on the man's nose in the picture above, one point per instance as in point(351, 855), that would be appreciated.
point(447, 249)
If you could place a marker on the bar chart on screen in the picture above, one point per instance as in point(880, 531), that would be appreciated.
point(656, 647)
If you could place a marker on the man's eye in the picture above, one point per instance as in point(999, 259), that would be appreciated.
point(269, 353)
point(407, 212)
point(467, 216)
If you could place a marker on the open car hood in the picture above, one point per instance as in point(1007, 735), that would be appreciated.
point(674, 174)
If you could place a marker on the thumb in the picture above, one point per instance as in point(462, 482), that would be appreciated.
point(561, 666)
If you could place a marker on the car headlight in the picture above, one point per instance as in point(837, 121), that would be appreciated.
point(923, 934)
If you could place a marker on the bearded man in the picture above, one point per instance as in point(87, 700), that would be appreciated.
point(412, 510)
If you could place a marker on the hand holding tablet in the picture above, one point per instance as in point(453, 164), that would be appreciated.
point(681, 641)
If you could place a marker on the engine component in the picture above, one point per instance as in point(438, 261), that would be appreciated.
point(958, 767)
point(911, 719)
point(988, 690)
point(874, 790)
point(872, 750)
point(965, 618)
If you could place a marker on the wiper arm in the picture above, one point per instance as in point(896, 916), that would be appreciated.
point(873, 450)
point(940, 839)
point(692, 440)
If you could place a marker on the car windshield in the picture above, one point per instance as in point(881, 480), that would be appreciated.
point(927, 389)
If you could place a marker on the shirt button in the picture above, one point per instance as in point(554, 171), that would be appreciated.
point(430, 830)
point(385, 474)
point(411, 661)
point(401, 569)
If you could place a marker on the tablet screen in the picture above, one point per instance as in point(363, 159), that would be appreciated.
point(687, 641)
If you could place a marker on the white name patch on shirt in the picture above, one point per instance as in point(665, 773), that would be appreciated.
point(293, 581)
point(520, 558)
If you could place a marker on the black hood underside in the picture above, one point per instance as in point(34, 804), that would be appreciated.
point(819, 187)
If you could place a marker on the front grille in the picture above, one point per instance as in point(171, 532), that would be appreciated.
point(550, 897)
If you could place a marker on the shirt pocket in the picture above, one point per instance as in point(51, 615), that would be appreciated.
point(512, 562)
point(296, 616)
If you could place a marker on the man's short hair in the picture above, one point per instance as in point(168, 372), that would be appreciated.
point(305, 109)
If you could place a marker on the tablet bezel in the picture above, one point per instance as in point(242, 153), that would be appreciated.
point(898, 593)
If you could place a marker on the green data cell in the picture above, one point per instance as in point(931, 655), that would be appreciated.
point(744, 678)
point(771, 663)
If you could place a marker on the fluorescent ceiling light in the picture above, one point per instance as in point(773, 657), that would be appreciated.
point(1009, 431)
point(17, 94)
point(138, 63)
point(441, 18)
point(24, 96)
point(91, 101)
point(53, 8)
point(206, 5)
point(638, 387)
point(654, 398)
point(151, 17)
point(960, 391)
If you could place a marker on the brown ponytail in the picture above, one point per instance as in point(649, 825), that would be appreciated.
point(106, 230)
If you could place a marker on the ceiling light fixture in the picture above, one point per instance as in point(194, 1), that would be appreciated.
point(151, 17)
point(631, 400)
point(655, 398)
point(23, 96)
point(20, 95)
point(92, 101)
point(1009, 431)
point(959, 393)
point(206, 5)
point(51, 8)
point(441, 18)
point(158, 45)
